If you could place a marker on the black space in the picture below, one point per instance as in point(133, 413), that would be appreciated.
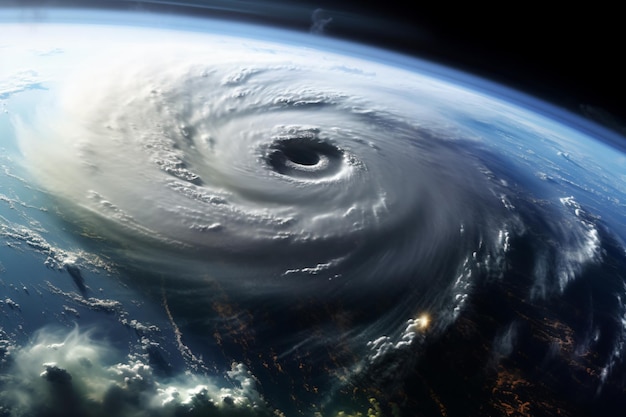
point(571, 56)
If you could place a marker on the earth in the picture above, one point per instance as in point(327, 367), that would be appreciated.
point(210, 218)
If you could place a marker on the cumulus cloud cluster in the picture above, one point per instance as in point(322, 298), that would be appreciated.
point(76, 375)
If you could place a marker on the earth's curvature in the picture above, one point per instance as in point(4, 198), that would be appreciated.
point(238, 221)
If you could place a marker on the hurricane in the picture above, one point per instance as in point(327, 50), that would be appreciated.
point(263, 167)
point(301, 206)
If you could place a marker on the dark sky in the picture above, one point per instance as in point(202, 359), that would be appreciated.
point(572, 57)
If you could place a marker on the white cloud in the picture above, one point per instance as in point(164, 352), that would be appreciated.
point(74, 374)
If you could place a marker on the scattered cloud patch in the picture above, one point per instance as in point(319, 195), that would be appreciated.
point(74, 374)
point(19, 82)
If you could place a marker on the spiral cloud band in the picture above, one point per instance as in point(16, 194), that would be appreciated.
point(290, 162)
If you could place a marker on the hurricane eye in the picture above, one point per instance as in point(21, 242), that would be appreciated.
point(301, 155)
point(304, 157)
